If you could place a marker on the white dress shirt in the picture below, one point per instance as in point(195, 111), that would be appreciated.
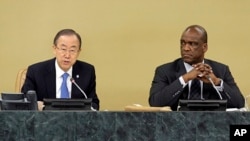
point(59, 79)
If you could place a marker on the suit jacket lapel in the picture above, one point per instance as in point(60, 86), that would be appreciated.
point(180, 68)
point(75, 76)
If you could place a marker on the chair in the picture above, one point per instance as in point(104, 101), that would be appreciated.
point(21, 75)
point(20, 79)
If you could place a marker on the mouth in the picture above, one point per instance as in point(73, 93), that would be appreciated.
point(186, 55)
point(66, 62)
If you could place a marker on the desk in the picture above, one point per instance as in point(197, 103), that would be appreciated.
point(118, 126)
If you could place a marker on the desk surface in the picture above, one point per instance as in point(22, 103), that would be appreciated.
point(119, 126)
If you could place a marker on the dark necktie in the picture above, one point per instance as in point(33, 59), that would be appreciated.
point(64, 88)
point(195, 89)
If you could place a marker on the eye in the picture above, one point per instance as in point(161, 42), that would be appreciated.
point(194, 43)
point(182, 43)
point(72, 50)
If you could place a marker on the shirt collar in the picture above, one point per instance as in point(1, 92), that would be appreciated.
point(189, 67)
point(60, 72)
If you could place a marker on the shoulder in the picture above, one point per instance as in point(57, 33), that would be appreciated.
point(217, 67)
point(214, 63)
point(83, 65)
point(43, 64)
point(172, 64)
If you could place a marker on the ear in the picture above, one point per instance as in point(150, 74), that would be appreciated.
point(205, 47)
point(54, 49)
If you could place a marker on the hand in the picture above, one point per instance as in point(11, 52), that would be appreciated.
point(194, 73)
point(40, 105)
point(206, 71)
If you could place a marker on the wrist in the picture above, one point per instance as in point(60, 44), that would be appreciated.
point(217, 81)
point(185, 78)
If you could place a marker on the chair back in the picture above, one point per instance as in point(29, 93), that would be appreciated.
point(20, 79)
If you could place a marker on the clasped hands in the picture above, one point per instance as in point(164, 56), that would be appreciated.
point(202, 72)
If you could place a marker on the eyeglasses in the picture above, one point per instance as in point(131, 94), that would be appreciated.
point(70, 51)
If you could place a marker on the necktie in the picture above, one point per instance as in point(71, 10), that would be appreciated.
point(195, 89)
point(64, 88)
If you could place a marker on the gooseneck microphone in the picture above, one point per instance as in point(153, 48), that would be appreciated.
point(209, 78)
point(73, 81)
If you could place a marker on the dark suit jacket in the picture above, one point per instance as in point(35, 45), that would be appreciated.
point(41, 77)
point(166, 89)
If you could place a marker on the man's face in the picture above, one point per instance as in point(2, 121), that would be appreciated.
point(67, 50)
point(192, 46)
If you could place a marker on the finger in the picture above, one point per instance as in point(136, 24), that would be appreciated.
point(208, 66)
point(208, 70)
point(199, 67)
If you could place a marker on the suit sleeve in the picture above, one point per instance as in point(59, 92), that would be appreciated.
point(165, 89)
point(92, 90)
point(29, 81)
point(231, 91)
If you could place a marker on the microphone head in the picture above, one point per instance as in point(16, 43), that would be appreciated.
point(72, 79)
point(31, 92)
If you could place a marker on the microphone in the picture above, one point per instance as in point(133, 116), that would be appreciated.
point(209, 78)
point(73, 81)
point(31, 96)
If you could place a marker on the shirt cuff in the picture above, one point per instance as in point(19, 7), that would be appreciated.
point(182, 81)
point(220, 88)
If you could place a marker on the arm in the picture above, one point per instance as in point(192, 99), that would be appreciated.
point(231, 91)
point(168, 85)
point(165, 90)
point(29, 85)
point(29, 81)
point(222, 77)
point(91, 90)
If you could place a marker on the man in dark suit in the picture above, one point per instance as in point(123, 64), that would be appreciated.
point(172, 81)
point(46, 77)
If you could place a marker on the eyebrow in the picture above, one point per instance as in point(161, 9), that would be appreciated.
point(63, 45)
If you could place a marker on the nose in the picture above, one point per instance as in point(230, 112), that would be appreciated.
point(67, 54)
